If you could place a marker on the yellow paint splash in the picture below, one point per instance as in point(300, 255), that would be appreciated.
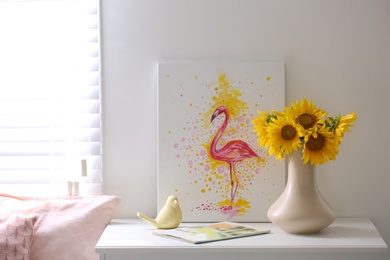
point(241, 205)
point(227, 96)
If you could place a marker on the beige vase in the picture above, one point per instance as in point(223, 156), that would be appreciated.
point(301, 209)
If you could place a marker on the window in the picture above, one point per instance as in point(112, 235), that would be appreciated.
point(50, 107)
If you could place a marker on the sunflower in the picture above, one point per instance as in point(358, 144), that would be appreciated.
point(305, 113)
point(344, 123)
point(302, 124)
point(284, 136)
point(320, 145)
point(261, 126)
point(279, 154)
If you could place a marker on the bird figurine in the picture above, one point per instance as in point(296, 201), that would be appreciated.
point(169, 217)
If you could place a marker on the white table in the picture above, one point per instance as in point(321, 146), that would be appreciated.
point(346, 238)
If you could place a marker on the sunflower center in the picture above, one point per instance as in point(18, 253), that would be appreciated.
point(288, 132)
point(315, 144)
point(306, 120)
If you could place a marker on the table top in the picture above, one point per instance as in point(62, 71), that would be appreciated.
point(344, 235)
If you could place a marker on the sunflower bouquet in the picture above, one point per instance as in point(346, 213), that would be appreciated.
point(302, 125)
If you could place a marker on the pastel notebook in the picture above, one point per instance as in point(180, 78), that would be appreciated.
point(210, 232)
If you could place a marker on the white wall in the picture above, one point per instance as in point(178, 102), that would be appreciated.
point(336, 53)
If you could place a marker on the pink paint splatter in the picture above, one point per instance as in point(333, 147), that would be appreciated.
point(230, 212)
point(220, 169)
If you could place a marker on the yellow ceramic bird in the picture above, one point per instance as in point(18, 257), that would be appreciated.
point(169, 217)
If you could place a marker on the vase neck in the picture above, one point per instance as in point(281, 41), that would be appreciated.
point(298, 172)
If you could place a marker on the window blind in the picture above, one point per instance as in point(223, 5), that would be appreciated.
point(50, 107)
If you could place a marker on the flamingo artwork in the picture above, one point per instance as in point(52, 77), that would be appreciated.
point(231, 153)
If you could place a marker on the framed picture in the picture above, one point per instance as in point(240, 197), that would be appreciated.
point(208, 154)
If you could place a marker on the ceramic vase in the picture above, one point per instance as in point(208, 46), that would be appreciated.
point(301, 208)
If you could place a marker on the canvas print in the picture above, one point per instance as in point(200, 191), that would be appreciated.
point(208, 154)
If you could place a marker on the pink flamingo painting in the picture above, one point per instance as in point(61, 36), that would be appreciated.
point(231, 153)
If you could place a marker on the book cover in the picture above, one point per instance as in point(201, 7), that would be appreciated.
point(210, 232)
